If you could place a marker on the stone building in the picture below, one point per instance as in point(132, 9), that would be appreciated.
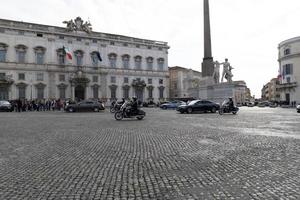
point(181, 80)
point(48, 62)
point(289, 70)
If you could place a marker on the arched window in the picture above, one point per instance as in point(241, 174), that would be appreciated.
point(125, 59)
point(40, 55)
point(21, 52)
point(79, 57)
point(3, 50)
point(138, 62)
point(61, 55)
point(160, 63)
point(149, 63)
point(112, 57)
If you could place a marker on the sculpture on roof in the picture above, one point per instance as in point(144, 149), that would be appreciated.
point(78, 25)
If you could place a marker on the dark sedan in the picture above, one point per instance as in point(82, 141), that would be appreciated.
point(199, 106)
point(6, 106)
point(86, 105)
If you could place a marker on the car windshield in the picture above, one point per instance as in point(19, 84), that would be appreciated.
point(4, 103)
point(193, 102)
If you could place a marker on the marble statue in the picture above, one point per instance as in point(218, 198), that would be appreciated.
point(216, 74)
point(78, 25)
point(227, 71)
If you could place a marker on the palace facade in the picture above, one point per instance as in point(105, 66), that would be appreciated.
point(48, 62)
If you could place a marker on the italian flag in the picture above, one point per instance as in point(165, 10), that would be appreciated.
point(68, 52)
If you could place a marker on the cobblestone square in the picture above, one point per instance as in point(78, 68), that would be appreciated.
point(58, 155)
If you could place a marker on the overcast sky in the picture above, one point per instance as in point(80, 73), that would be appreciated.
point(247, 32)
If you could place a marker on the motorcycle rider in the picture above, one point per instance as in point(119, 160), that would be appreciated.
point(134, 105)
point(230, 104)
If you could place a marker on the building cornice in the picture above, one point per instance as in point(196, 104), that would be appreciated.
point(55, 30)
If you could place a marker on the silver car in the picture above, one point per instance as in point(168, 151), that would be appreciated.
point(298, 108)
point(6, 106)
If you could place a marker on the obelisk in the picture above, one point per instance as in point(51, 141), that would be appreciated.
point(207, 64)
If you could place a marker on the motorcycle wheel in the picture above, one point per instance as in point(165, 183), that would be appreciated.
point(112, 110)
point(140, 117)
point(119, 116)
point(221, 112)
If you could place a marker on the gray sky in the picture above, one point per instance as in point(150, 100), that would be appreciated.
point(247, 32)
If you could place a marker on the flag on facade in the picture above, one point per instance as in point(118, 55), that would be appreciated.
point(98, 56)
point(67, 52)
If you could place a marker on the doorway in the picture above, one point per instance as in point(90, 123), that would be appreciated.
point(79, 93)
point(3, 93)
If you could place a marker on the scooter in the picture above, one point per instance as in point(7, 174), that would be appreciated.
point(226, 109)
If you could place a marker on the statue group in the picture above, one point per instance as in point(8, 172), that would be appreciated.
point(78, 25)
point(227, 74)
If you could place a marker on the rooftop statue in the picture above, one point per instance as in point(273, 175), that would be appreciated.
point(78, 25)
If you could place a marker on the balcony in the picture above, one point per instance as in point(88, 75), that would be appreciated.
point(285, 86)
point(6, 80)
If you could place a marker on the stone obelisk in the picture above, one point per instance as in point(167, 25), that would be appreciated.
point(207, 64)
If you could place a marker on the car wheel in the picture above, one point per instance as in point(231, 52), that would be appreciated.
point(140, 118)
point(189, 110)
point(213, 110)
point(234, 112)
point(71, 109)
point(96, 109)
point(164, 107)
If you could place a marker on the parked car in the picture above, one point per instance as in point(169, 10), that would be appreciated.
point(199, 105)
point(86, 105)
point(6, 106)
point(298, 108)
point(172, 104)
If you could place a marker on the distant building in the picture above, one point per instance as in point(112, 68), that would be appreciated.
point(181, 80)
point(270, 91)
point(289, 71)
point(36, 63)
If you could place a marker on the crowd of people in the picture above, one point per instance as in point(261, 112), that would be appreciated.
point(22, 105)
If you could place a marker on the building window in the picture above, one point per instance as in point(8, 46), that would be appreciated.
point(149, 63)
point(95, 59)
point(288, 69)
point(94, 41)
point(113, 91)
point(40, 77)
point(126, 92)
point(161, 81)
point(96, 92)
point(61, 37)
point(3, 49)
point(112, 43)
point(150, 92)
point(160, 63)
point(61, 77)
point(161, 92)
point(125, 44)
point(39, 54)
point(78, 39)
point(22, 92)
point(112, 60)
point(138, 62)
point(79, 57)
point(149, 80)
point(21, 76)
point(21, 52)
point(288, 79)
point(39, 35)
point(95, 79)
point(126, 80)
point(61, 55)
point(62, 93)
point(2, 76)
point(113, 79)
point(40, 92)
point(287, 52)
point(125, 59)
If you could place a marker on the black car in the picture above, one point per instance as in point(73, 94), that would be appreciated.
point(86, 105)
point(6, 106)
point(199, 106)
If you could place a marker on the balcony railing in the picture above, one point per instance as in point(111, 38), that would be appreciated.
point(287, 85)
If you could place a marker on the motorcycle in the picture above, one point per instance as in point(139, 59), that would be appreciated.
point(225, 108)
point(126, 112)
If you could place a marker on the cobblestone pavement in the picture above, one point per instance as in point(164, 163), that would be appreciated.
point(57, 155)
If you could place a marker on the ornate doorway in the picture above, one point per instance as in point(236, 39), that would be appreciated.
point(139, 86)
point(139, 93)
point(79, 93)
